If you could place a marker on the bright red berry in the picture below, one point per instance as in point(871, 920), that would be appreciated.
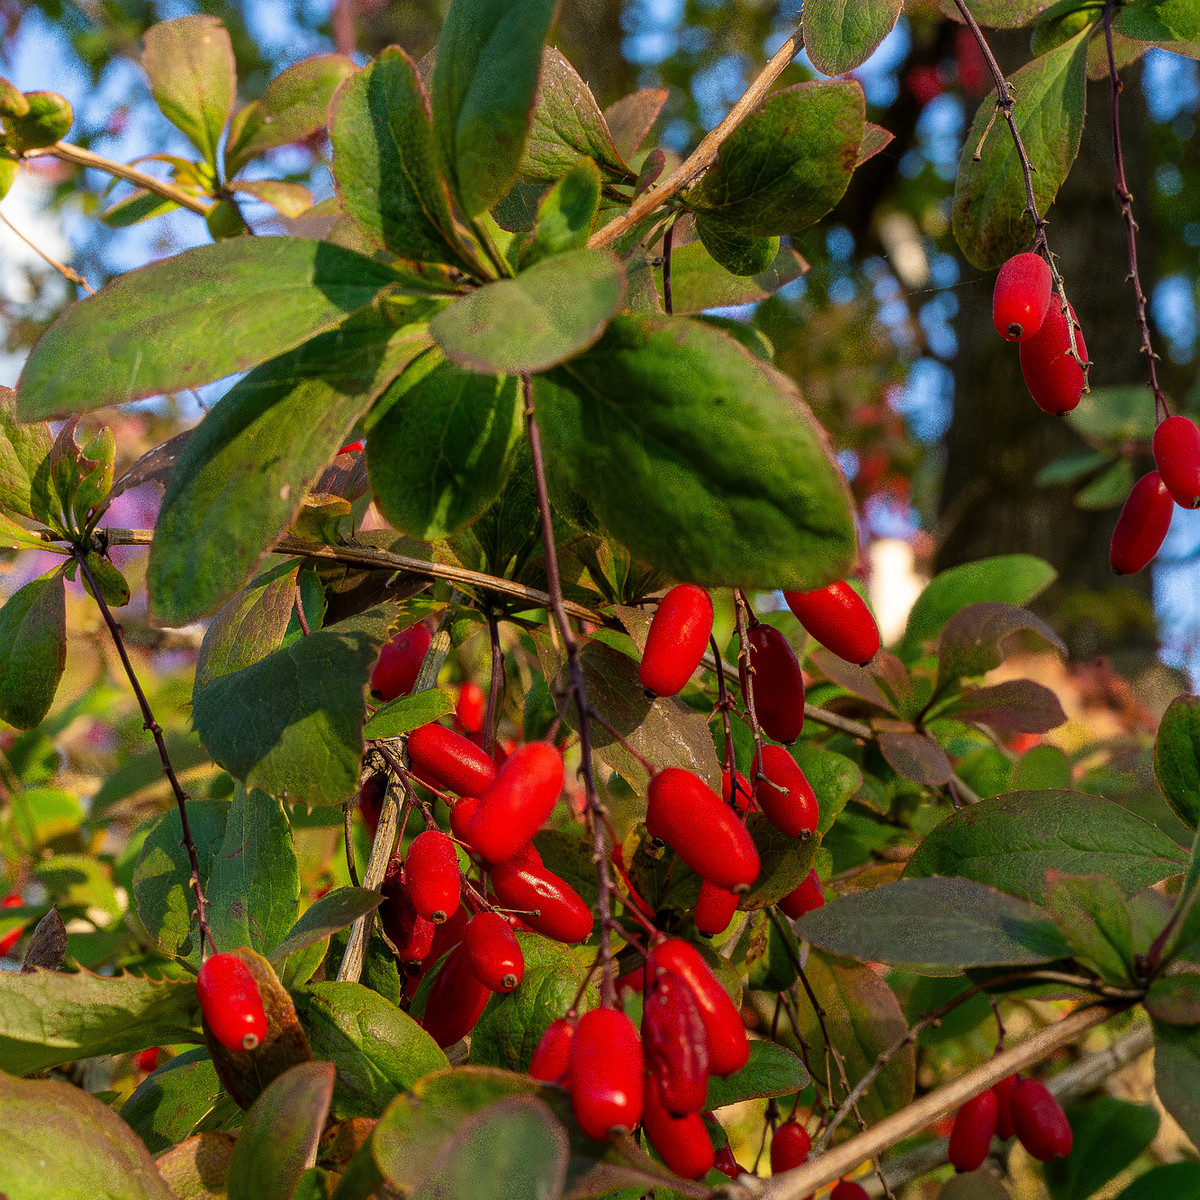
point(406, 929)
point(714, 908)
point(740, 795)
point(431, 871)
point(400, 663)
point(683, 811)
point(682, 1142)
point(545, 902)
point(1022, 297)
point(1142, 525)
point(776, 684)
point(675, 1043)
point(552, 1058)
point(452, 762)
point(445, 937)
point(1004, 1122)
point(785, 795)
point(789, 1147)
point(456, 1000)
point(1053, 377)
point(974, 1126)
point(727, 1164)
point(803, 898)
point(678, 635)
point(495, 953)
point(471, 707)
point(231, 1003)
point(1177, 456)
point(847, 1189)
point(13, 936)
point(838, 617)
point(353, 448)
point(1039, 1120)
point(728, 1046)
point(606, 1073)
point(513, 809)
point(147, 1060)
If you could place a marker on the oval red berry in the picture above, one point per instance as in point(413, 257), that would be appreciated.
point(777, 685)
point(546, 903)
point(1022, 297)
point(806, 896)
point(838, 617)
point(1142, 526)
point(513, 809)
point(1039, 1121)
point(231, 1002)
point(456, 999)
point(453, 763)
point(678, 634)
point(552, 1058)
point(495, 953)
point(785, 795)
point(974, 1127)
point(714, 909)
point(433, 877)
point(606, 1073)
point(400, 663)
point(682, 1142)
point(1177, 456)
point(1053, 377)
point(789, 1147)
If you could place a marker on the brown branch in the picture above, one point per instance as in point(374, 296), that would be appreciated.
point(68, 273)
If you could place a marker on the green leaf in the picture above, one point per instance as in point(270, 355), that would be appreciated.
point(1009, 578)
point(379, 1050)
point(202, 315)
point(1172, 24)
point(385, 167)
point(1071, 467)
point(294, 106)
point(565, 214)
point(999, 14)
point(773, 1070)
point(439, 445)
point(990, 221)
point(1175, 999)
point(254, 889)
point(139, 205)
point(738, 252)
point(788, 163)
point(840, 35)
point(1108, 1135)
point(247, 466)
point(484, 82)
point(172, 1101)
point(23, 453)
point(193, 77)
point(697, 282)
point(48, 1018)
point(325, 916)
point(279, 1136)
point(1092, 913)
point(554, 310)
point(1062, 22)
point(1179, 1180)
point(406, 713)
point(1108, 489)
point(673, 417)
point(56, 1140)
point(1177, 1074)
point(1113, 416)
point(512, 1024)
point(33, 649)
point(977, 638)
point(1011, 841)
point(935, 926)
point(161, 880)
point(1177, 758)
point(292, 723)
point(1042, 768)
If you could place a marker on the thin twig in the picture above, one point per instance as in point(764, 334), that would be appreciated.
point(497, 682)
point(68, 273)
point(668, 239)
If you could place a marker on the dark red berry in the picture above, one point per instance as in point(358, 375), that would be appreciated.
point(789, 1147)
point(1039, 1121)
point(471, 707)
point(1177, 456)
point(775, 683)
point(682, 1142)
point(740, 795)
point(803, 898)
point(456, 1000)
point(496, 956)
point(400, 663)
point(1053, 377)
point(727, 1164)
point(1004, 1122)
point(1142, 525)
point(513, 809)
point(370, 801)
point(606, 1073)
point(675, 1043)
point(545, 903)
point(714, 908)
point(785, 795)
point(678, 635)
point(838, 617)
point(431, 871)
point(1022, 297)
point(847, 1189)
point(974, 1126)
point(552, 1058)
point(453, 763)
point(231, 1002)
point(683, 811)
point(406, 929)
point(446, 936)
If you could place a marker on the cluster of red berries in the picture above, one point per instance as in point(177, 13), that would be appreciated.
point(1022, 312)
point(1024, 1107)
point(231, 1003)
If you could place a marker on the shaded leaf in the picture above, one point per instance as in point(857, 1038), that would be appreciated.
point(1175, 999)
point(1172, 24)
point(290, 199)
point(326, 915)
point(1108, 1134)
point(840, 35)
point(916, 757)
point(698, 282)
point(1108, 489)
point(1177, 1074)
point(1042, 768)
point(784, 862)
point(23, 452)
point(197, 1168)
point(875, 139)
point(1113, 415)
point(173, 1100)
point(565, 215)
point(1177, 758)
point(738, 252)
point(1092, 913)
point(1071, 467)
point(632, 117)
point(773, 1070)
point(1179, 1180)
point(975, 640)
point(33, 649)
point(47, 945)
point(999, 14)
point(1016, 705)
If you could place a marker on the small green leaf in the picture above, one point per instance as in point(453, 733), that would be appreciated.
point(485, 78)
point(548, 313)
point(1172, 24)
point(1108, 1134)
point(33, 649)
point(24, 450)
point(1092, 913)
point(139, 205)
point(773, 1070)
point(840, 35)
point(1179, 1180)
point(325, 916)
point(1042, 768)
point(193, 77)
point(698, 282)
point(1062, 22)
point(406, 713)
point(1113, 416)
point(1177, 1074)
point(1175, 999)
point(1108, 489)
point(1177, 758)
point(739, 252)
point(999, 14)
point(990, 219)
point(1071, 467)
point(169, 1103)
point(565, 214)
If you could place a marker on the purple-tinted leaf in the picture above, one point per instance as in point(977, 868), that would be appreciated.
point(632, 117)
point(1175, 999)
point(975, 639)
point(875, 139)
point(840, 35)
point(858, 681)
point(290, 199)
point(916, 757)
point(1016, 705)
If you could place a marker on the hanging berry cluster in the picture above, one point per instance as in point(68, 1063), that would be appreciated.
point(1025, 1108)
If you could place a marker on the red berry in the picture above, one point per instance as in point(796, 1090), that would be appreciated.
point(838, 617)
point(431, 871)
point(452, 762)
point(785, 795)
point(13, 936)
point(1022, 297)
point(728, 1046)
point(147, 1060)
point(777, 685)
point(606, 1073)
point(546, 903)
point(1004, 1122)
point(407, 930)
point(789, 1147)
point(513, 809)
point(847, 1189)
point(446, 936)
point(471, 707)
point(352, 448)
point(1177, 456)
point(683, 811)
point(496, 956)
point(231, 1003)
point(742, 795)
point(714, 908)
point(675, 1044)
point(1039, 1120)
point(456, 1000)
point(1053, 377)
point(1142, 525)
point(678, 635)
point(461, 815)
point(633, 899)
point(370, 801)
point(552, 1058)
point(924, 82)
point(727, 1164)
point(682, 1142)
point(803, 898)
point(974, 1126)
point(400, 663)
